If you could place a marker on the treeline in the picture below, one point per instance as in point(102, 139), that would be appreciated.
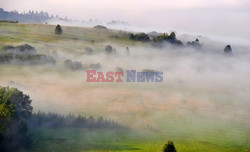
point(53, 120)
point(157, 40)
point(17, 120)
point(23, 54)
point(8, 21)
point(30, 17)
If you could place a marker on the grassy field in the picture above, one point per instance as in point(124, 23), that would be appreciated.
point(80, 140)
point(196, 118)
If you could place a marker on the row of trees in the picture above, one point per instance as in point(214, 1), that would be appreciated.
point(17, 120)
point(52, 120)
point(30, 17)
point(23, 54)
point(156, 40)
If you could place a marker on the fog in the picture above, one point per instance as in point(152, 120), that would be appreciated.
point(202, 90)
point(219, 18)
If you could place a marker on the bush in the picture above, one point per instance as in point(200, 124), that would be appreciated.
point(58, 30)
point(169, 147)
point(109, 49)
point(94, 66)
point(23, 54)
point(73, 65)
point(228, 49)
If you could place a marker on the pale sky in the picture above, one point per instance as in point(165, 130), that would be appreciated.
point(219, 17)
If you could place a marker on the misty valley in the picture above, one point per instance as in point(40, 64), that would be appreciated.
point(195, 96)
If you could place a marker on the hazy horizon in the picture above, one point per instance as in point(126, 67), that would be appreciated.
point(220, 18)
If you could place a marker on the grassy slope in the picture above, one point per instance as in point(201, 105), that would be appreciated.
point(74, 40)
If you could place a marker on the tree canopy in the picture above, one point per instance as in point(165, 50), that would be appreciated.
point(15, 109)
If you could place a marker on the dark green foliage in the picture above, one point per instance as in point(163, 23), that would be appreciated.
point(73, 65)
point(139, 37)
point(23, 54)
point(167, 38)
point(52, 120)
point(15, 109)
point(172, 35)
point(58, 30)
point(8, 21)
point(228, 49)
point(169, 147)
point(162, 37)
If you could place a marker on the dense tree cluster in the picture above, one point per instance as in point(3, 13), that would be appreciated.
point(30, 17)
point(139, 37)
point(23, 54)
point(7, 21)
point(168, 38)
point(157, 39)
point(52, 120)
point(17, 120)
point(15, 110)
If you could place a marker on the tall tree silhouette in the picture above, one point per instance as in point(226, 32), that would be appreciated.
point(58, 30)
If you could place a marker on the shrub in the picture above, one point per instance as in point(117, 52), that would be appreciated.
point(169, 147)
point(73, 65)
point(228, 49)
